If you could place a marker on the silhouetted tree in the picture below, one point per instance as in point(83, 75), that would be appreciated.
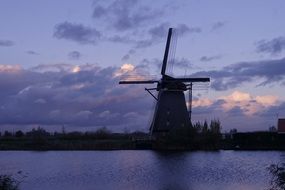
point(38, 132)
point(7, 134)
point(19, 134)
point(197, 127)
point(233, 131)
point(102, 133)
point(215, 127)
point(205, 127)
point(63, 130)
point(39, 137)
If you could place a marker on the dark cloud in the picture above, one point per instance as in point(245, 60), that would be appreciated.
point(235, 112)
point(6, 43)
point(77, 32)
point(159, 33)
point(137, 20)
point(137, 23)
point(184, 29)
point(30, 52)
point(273, 111)
point(128, 55)
point(123, 15)
point(234, 75)
point(121, 39)
point(60, 94)
point(274, 46)
point(90, 96)
point(218, 25)
point(74, 55)
point(209, 58)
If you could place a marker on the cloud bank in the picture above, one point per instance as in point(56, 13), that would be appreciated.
point(269, 71)
point(89, 96)
point(64, 94)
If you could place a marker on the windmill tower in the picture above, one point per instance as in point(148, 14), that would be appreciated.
point(170, 110)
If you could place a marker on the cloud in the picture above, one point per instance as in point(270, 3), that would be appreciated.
point(247, 103)
point(269, 71)
point(273, 46)
point(30, 52)
point(123, 15)
point(6, 43)
point(128, 55)
point(75, 55)
point(209, 58)
point(133, 20)
point(9, 68)
point(159, 33)
point(237, 100)
point(130, 22)
point(240, 110)
point(218, 25)
point(161, 30)
point(77, 32)
point(55, 95)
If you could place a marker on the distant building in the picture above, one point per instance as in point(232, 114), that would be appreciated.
point(281, 125)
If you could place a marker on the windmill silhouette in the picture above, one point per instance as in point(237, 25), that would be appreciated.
point(170, 110)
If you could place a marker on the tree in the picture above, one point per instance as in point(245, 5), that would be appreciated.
point(19, 133)
point(7, 134)
point(205, 127)
point(102, 133)
point(233, 131)
point(38, 132)
point(215, 126)
point(197, 127)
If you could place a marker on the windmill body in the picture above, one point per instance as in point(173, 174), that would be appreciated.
point(170, 110)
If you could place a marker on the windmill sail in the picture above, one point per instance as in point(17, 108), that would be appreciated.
point(163, 68)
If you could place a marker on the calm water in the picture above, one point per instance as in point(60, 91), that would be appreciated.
point(140, 170)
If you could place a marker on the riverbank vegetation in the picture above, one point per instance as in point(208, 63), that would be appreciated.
point(277, 181)
point(199, 136)
point(7, 182)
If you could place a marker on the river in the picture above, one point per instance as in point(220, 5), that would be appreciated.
point(140, 170)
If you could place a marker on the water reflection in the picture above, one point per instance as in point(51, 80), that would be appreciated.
point(173, 168)
point(139, 170)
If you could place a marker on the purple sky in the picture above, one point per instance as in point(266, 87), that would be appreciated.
point(60, 61)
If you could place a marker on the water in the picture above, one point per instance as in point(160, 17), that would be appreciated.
point(140, 170)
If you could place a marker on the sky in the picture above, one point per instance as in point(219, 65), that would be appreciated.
point(61, 61)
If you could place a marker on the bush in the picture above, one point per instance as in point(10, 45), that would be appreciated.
point(278, 176)
point(7, 182)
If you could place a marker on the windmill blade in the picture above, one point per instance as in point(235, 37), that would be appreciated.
point(139, 82)
point(189, 79)
point(172, 51)
point(163, 68)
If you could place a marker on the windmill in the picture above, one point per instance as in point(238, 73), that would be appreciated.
point(170, 110)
